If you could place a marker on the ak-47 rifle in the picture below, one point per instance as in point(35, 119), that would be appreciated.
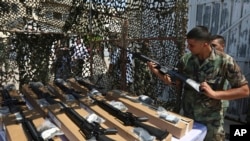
point(89, 130)
point(128, 118)
point(28, 125)
point(173, 72)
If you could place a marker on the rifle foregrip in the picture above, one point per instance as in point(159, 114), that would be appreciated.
point(158, 133)
point(104, 138)
point(110, 131)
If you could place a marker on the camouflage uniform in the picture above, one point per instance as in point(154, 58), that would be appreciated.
point(214, 70)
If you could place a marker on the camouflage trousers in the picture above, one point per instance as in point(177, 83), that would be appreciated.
point(207, 111)
point(215, 132)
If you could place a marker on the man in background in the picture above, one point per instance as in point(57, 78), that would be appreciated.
point(218, 42)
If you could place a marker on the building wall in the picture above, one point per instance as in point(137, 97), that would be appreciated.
point(231, 19)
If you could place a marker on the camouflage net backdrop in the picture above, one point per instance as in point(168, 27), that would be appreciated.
point(45, 39)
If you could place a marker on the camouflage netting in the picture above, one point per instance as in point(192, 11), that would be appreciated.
point(47, 39)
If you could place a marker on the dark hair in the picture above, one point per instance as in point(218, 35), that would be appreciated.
point(199, 33)
point(219, 37)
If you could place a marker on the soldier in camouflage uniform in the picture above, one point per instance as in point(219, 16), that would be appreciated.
point(218, 42)
point(209, 67)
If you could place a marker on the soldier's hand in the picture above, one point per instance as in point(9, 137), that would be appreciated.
point(151, 66)
point(207, 90)
point(164, 77)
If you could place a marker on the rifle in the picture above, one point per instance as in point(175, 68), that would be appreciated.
point(28, 125)
point(29, 128)
point(173, 72)
point(128, 118)
point(10, 101)
point(66, 88)
point(90, 130)
point(35, 87)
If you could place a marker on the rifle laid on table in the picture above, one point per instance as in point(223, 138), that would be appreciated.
point(173, 72)
point(9, 101)
point(27, 125)
point(36, 88)
point(128, 118)
point(63, 85)
point(89, 130)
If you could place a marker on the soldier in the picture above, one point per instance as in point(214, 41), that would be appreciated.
point(218, 42)
point(209, 67)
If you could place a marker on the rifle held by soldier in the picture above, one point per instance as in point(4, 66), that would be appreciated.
point(173, 72)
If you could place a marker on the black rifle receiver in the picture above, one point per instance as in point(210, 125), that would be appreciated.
point(127, 118)
point(173, 72)
point(88, 129)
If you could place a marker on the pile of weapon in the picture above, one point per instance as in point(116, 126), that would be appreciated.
point(55, 95)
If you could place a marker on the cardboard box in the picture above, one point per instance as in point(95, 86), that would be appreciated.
point(70, 129)
point(77, 86)
point(32, 98)
point(126, 131)
point(17, 101)
point(57, 115)
point(178, 130)
point(14, 130)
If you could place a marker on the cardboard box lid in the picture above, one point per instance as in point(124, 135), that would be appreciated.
point(126, 131)
point(178, 130)
point(71, 130)
point(14, 130)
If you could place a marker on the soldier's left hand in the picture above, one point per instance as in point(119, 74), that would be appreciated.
point(207, 90)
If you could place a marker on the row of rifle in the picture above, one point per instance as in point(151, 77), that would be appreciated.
point(14, 105)
point(89, 129)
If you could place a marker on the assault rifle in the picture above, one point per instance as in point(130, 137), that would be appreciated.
point(29, 128)
point(9, 101)
point(66, 88)
point(89, 130)
point(173, 72)
point(28, 125)
point(128, 118)
point(36, 88)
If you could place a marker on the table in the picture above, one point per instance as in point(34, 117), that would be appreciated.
point(198, 133)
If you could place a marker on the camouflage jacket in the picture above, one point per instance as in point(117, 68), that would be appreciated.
point(218, 70)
